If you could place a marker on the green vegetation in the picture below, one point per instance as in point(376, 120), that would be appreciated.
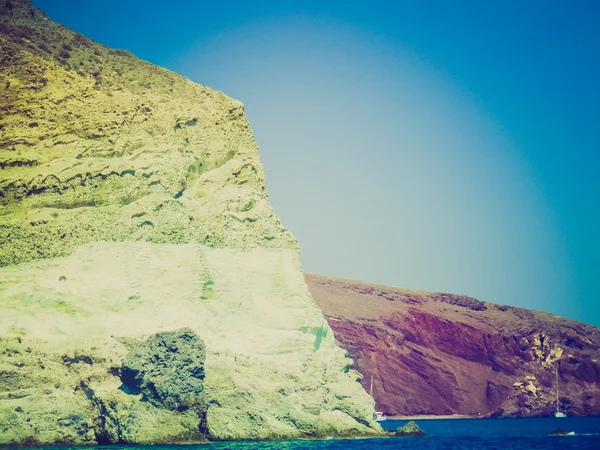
point(207, 289)
point(85, 56)
point(38, 300)
point(319, 332)
point(60, 306)
point(248, 206)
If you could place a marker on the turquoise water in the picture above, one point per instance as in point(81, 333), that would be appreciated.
point(498, 434)
point(504, 428)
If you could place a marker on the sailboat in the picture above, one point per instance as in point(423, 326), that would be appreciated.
point(379, 416)
point(558, 414)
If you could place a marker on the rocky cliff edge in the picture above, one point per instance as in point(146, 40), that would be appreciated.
point(134, 221)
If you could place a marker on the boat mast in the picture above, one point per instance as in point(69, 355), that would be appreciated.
point(557, 410)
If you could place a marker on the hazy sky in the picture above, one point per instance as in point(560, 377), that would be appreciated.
point(442, 145)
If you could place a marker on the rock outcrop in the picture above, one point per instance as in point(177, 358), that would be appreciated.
point(441, 354)
point(561, 432)
point(168, 370)
point(133, 204)
point(411, 429)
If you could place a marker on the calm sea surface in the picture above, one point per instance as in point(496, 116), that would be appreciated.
point(496, 434)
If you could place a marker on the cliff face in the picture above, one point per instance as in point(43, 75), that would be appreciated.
point(431, 353)
point(133, 204)
point(97, 145)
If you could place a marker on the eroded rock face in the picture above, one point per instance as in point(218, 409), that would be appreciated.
point(133, 203)
point(168, 370)
point(100, 146)
point(432, 353)
point(165, 372)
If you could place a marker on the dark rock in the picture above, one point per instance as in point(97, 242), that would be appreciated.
point(495, 394)
point(524, 344)
point(461, 300)
point(168, 370)
point(410, 429)
point(498, 413)
point(559, 432)
point(20, 9)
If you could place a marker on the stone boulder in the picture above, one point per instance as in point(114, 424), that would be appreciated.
point(561, 432)
point(411, 429)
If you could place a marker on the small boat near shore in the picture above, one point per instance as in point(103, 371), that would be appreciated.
point(558, 414)
point(379, 416)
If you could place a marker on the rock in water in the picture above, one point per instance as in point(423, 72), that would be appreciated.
point(133, 203)
point(560, 432)
point(410, 429)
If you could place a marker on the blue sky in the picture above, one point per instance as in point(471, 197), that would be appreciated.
point(442, 145)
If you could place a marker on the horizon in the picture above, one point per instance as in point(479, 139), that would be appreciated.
point(478, 188)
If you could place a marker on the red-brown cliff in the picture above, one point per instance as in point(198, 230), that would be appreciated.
point(433, 353)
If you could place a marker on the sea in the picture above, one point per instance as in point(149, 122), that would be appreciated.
point(480, 434)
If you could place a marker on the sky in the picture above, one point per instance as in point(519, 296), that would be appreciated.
point(443, 145)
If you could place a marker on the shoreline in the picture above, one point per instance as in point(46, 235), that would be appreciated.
point(432, 417)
